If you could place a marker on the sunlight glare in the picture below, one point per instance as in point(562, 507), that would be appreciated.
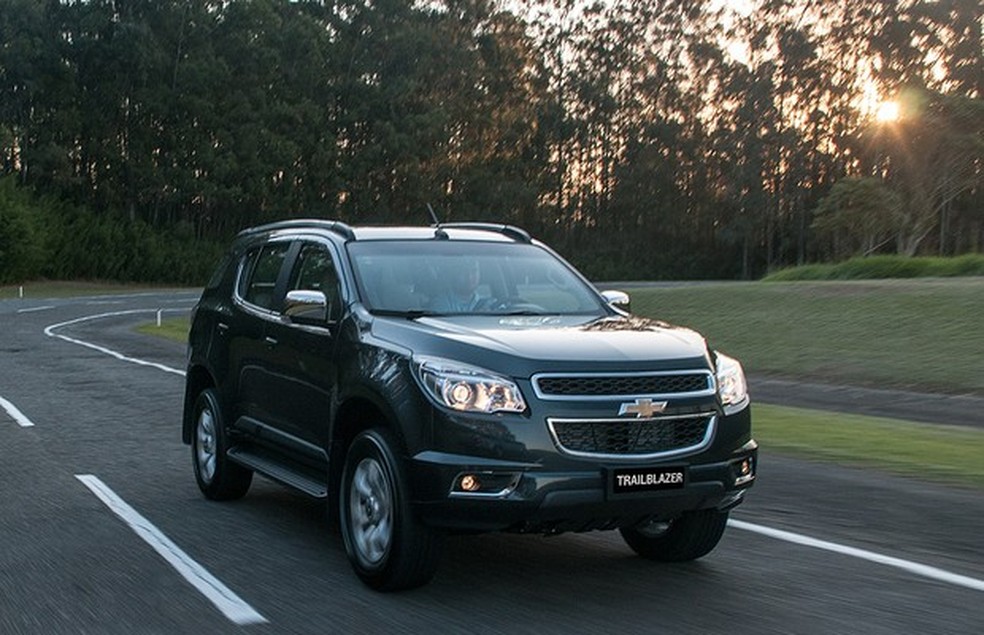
point(888, 111)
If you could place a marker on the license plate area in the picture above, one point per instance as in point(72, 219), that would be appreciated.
point(635, 480)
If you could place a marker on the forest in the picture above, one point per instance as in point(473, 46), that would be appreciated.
point(663, 139)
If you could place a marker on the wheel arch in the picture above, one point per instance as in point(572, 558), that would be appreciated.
point(197, 379)
point(357, 413)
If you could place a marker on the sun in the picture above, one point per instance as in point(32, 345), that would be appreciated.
point(888, 111)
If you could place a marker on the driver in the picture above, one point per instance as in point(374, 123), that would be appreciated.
point(461, 296)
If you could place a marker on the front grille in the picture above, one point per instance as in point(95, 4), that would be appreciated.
point(631, 437)
point(574, 386)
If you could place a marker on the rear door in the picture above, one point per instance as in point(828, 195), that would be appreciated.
point(258, 298)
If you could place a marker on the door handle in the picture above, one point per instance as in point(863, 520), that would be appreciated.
point(223, 328)
point(271, 341)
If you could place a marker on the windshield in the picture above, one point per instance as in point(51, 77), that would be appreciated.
point(437, 277)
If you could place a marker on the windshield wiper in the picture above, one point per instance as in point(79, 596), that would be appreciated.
point(410, 314)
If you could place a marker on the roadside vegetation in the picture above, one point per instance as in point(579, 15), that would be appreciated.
point(149, 131)
point(884, 266)
point(943, 453)
point(175, 328)
point(909, 334)
point(67, 289)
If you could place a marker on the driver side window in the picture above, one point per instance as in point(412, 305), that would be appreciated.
point(315, 271)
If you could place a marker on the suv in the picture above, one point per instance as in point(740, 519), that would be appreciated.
point(457, 378)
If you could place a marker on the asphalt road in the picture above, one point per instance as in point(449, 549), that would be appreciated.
point(898, 556)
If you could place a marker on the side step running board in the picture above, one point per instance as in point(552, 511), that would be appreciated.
point(279, 471)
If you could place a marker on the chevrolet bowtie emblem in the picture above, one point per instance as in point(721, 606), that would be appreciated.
point(642, 408)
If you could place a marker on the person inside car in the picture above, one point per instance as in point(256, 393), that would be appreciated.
point(461, 294)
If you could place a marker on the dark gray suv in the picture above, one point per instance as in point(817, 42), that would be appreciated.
point(457, 378)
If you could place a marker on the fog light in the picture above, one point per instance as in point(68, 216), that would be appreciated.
point(745, 470)
point(484, 484)
point(470, 483)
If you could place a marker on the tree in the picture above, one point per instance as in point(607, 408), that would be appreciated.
point(931, 156)
point(858, 217)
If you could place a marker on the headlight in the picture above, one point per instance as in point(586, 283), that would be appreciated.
point(731, 381)
point(467, 388)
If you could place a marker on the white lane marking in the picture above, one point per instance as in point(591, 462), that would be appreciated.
point(906, 565)
point(50, 332)
point(191, 295)
point(36, 308)
point(224, 599)
point(16, 414)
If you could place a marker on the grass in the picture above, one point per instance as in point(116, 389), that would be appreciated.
point(947, 454)
point(171, 328)
point(923, 334)
point(885, 266)
point(62, 289)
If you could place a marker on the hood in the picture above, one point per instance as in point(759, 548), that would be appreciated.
point(620, 342)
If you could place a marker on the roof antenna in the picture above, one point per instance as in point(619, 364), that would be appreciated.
point(436, 222)
point(438, 232)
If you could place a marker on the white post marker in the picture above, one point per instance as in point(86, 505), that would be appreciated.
point(159, 311)
point(224, 599)
point(20, 292)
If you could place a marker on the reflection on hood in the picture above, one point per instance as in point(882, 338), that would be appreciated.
point(630, 323)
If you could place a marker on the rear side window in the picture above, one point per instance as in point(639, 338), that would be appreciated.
point(262, 276)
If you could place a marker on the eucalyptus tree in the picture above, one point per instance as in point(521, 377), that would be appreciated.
point(931, 157)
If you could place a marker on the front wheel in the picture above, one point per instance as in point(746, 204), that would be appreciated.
point(389, 549)
point(685, 538)
point(218, 477)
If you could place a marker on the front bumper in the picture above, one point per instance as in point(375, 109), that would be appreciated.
point(524, 497)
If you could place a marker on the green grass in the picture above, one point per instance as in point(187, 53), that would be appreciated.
point(948, 454)
point(62, 289)
point(171, 328)
point(925, 334)
point(877, 267)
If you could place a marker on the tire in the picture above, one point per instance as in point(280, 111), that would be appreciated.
point(688, 537)
point(388, 548)
point(219, 478)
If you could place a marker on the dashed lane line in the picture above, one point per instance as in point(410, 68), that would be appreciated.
point(863, 554)
point(16, 414)
point(35, 309)
point(224, 599)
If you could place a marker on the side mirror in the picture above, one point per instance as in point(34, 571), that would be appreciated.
point(617, 299)
point(308, 307)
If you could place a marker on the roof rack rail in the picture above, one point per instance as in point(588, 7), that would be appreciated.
point(338, 227)
point(516, 233)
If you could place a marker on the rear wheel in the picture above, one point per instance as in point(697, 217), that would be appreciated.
point(685, 538)
point(389, 549)
point(217, 476)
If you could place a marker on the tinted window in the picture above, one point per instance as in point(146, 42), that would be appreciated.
point(262, 279)
point(315, 271)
